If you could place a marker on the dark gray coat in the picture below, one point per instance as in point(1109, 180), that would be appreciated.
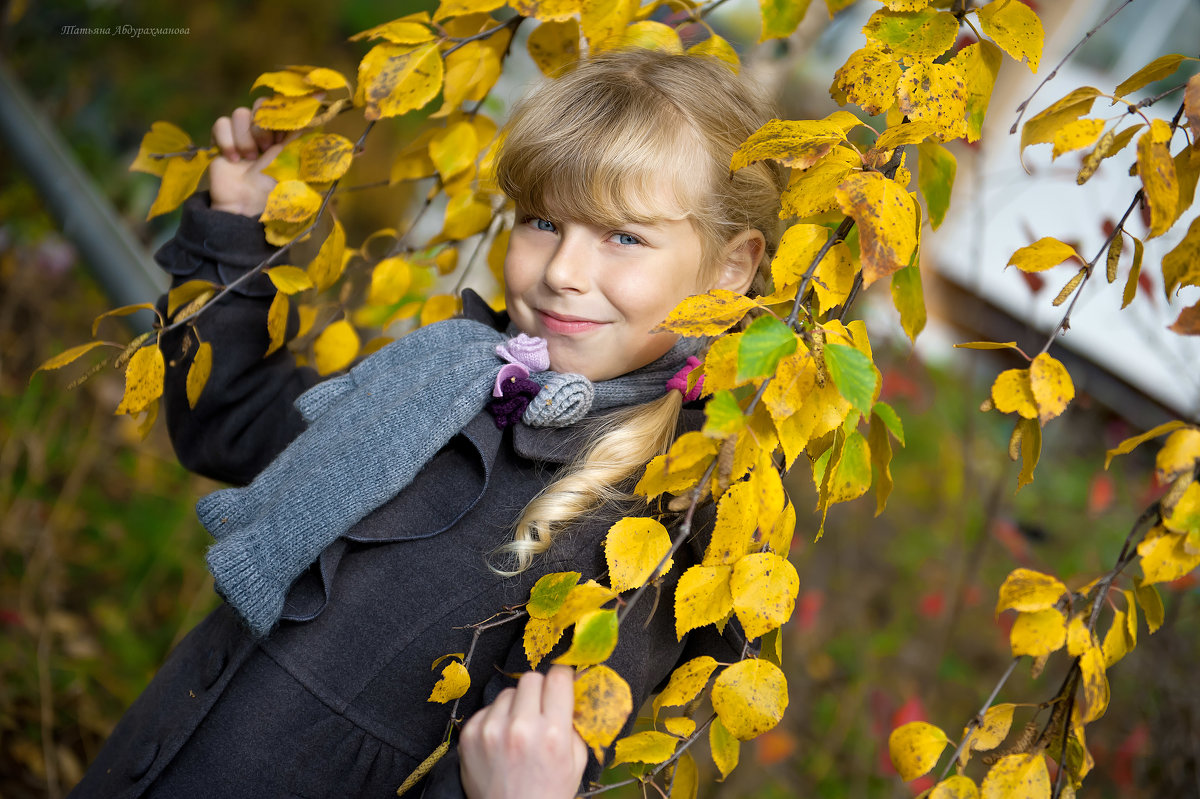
point(333, 702)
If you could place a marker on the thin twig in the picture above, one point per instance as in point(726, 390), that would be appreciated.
point(464, 40)
point(1062, 756)
point(479, 629)
point(974, 723)
point(679, 751)
point(1025, 105)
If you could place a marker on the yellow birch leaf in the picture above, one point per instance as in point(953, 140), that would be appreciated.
point(649, 35)
point(554, 46)
point(601, 20)
point(291, 201)
point(1091, 162)
point(869, 77)
point(1042, 127)
point(798, 246)
point(884, 214)
point(683, 778)
point(909, 298)
point(289, 279)
point(326, 157)
point(717, 47)
point(795, 377)
point(439, 307)
point(453, 149)
point(1131, 443)
point(769, 490)
point(326, 267)
point(1178, 455)
point(680, 467)
point(286, 113)
point(1076, 135)
point(426, 766)
point(581, 600)
point(1026, 591)
point(593, 640)
point(1079, 637)
point(851, 476)
point(1116, 643)
point(994, 729)
point(466, 215)
point(905, 5)
point(162, 138)
point(1021, 775)
point(764, 588)
point(69, 356)
point(602, 703)
point(737, 518)
point(336, 347)
point(458, 8)
point(1016, 28)
point(707, 314)
point(1165, 558)
point(1187, 174)
point(1152, 606)
point(410, 29)
point(702, 597)
point(539, 638)
point(1031, 449)
point(936, 94)
point(1159, 68)
point(725, 748)
point(686, 682)
point(834, 277)
point(880, 447)
point(1038, 633)
point(956, 787)
point(904, 133)
point(395, 79)
point(750, 697)
point(143, 380)
point(780, 539)
point(979, 64)
point(795, 143)
point(546, 10)
point(647, 746)
point(679, 726)
point(1159, 182)
point(1185, 515)
point(124, 310)
point(198, 373)
point(913, 34)
point(1130, 618)
point(184, 294)
point(180, 178)
point(1191, 105)
point(327, 79)
point(811, 191)
point(277, 319)
point(915, 748)
point(454, 683)
point(1094, 694)
point(1013, 392)
point(1181, 266)
point(1051, 386)
point(632, 549)
point(1042, 254)
point(390, 280)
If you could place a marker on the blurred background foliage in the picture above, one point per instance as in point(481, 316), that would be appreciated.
point(101, 557)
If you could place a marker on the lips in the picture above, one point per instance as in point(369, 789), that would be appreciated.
point(566, 324)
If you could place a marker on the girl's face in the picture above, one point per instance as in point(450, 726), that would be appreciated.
point(594, 292)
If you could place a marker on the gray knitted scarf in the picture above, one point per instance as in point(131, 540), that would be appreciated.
point(369, 433)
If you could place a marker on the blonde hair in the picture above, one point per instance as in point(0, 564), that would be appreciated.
point(593, 145)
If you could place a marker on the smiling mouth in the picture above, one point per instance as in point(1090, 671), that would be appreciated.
point(557, 323)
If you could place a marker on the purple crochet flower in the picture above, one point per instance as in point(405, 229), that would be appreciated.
point(515, 394)
point(525, 355)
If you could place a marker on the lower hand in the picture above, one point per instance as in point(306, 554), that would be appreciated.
point(524, 745)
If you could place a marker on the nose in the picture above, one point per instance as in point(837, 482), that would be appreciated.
point(569, 267)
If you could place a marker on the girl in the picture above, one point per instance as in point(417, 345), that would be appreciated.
point(383, 511)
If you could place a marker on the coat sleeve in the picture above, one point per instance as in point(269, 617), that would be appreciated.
point(647, 651)
point(244, 416)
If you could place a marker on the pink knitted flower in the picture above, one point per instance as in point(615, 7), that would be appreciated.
point(680, 380)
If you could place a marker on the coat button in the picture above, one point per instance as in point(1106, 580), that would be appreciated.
point(213, 667)
point(142, 760)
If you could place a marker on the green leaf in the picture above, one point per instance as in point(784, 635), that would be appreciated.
point(780, 18)
point(935, 177)
point(908, 296)
point(724, 416)
point(852, 373)
point(925, 34)
point(762, 345)
point(594, 640)
point(549, 593)
point(891, 419)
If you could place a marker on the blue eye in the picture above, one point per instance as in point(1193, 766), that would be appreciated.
point(627, 239)
point(543, 224)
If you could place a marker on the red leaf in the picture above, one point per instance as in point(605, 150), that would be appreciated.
point(808, 608)
point(1100, 493)
point(932, 605)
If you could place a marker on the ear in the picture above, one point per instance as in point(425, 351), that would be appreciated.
point(739, 260)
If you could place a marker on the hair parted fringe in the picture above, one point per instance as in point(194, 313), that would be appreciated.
point(596, 144)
